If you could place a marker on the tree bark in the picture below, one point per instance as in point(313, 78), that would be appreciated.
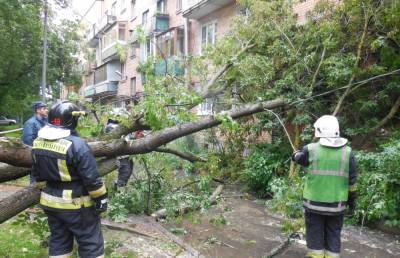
point(183, 155)
point(23, 199)
point(8, 172)
point(19, 155)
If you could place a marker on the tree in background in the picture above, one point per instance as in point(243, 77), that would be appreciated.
point(21, 28)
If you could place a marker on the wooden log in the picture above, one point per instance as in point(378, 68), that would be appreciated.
point(8, 172)
point(25, 198)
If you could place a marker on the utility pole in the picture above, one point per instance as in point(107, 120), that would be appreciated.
point(44, 67)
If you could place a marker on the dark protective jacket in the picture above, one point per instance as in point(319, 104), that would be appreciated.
point(329, 208)
point(31, 129)
point(69, 171)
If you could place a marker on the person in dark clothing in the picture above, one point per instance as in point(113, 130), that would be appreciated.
point(73, 194)
point(124, 163)
point(35, 123)
point(330, 186)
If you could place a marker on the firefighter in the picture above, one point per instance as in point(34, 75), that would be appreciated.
point(330, 185)
point(74, 194)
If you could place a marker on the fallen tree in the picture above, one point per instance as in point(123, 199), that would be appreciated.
point(25, 198)
point(8, 172)
point(17, 154)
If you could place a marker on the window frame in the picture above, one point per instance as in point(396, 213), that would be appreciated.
point(206, 26)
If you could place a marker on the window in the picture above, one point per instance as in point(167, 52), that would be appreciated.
point(162, 6)
point(206, 108)
point(208, 35)
point(133, 4)
point(133, 52)
point(100, 75)
point(144, 18)
point(145, 51)
point(180, 37)
point(109, 38)
point(148, 48)
point(133, 86)
point(123, 6)
point(178, 5)
point(165, 44)
point(123, 71)
point(113, 7)
point(121, 32)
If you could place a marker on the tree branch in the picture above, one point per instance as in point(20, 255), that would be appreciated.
point(359, 49)
point(207, 88)
point(18, 154)
point(183, 155)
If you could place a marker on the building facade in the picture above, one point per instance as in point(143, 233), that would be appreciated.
point(173, 29)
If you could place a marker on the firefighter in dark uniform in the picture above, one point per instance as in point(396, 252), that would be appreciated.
point(329, 187)
point(73, 195)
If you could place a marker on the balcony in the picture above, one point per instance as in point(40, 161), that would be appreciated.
point(196, 9)
point(111, 52)
point(94, 33)
point(158, 23)
point(173, 66)
point(101, 89)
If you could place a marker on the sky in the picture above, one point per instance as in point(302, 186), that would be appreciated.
point(77, 10)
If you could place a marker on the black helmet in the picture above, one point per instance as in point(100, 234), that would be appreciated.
point(64, 114)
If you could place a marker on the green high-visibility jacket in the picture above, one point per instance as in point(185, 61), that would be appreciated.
point(327, 178)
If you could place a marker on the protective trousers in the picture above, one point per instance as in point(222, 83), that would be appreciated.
point(125, 167)
point(83, 225)
point(323, 234)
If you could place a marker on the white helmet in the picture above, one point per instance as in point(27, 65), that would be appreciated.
point(327, 128)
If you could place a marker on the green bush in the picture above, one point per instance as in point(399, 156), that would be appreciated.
point(266, 162)
point(134, 198)
point(378, 185)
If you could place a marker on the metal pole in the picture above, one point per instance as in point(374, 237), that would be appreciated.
point(43, 88)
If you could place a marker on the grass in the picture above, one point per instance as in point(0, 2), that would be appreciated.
point(11, 127)
point(19, 241)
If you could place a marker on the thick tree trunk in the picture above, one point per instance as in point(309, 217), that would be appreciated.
point(8, 172)
point(18, 154)
point(29, 196)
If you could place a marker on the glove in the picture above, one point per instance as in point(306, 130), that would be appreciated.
point(351, 203)
point(101, 204)
point(294, 155)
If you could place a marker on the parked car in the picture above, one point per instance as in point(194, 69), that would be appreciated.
point(6, 121)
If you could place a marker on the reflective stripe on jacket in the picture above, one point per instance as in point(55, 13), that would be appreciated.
point(70, 172)
point(327, 179)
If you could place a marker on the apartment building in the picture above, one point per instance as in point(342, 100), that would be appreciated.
point(173, 29)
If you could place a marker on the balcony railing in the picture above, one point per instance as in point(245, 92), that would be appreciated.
point(196, 9)
point(110, 52)
point(159, 22)
point(172, 65)
point(101, 89)
point(93, 34)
